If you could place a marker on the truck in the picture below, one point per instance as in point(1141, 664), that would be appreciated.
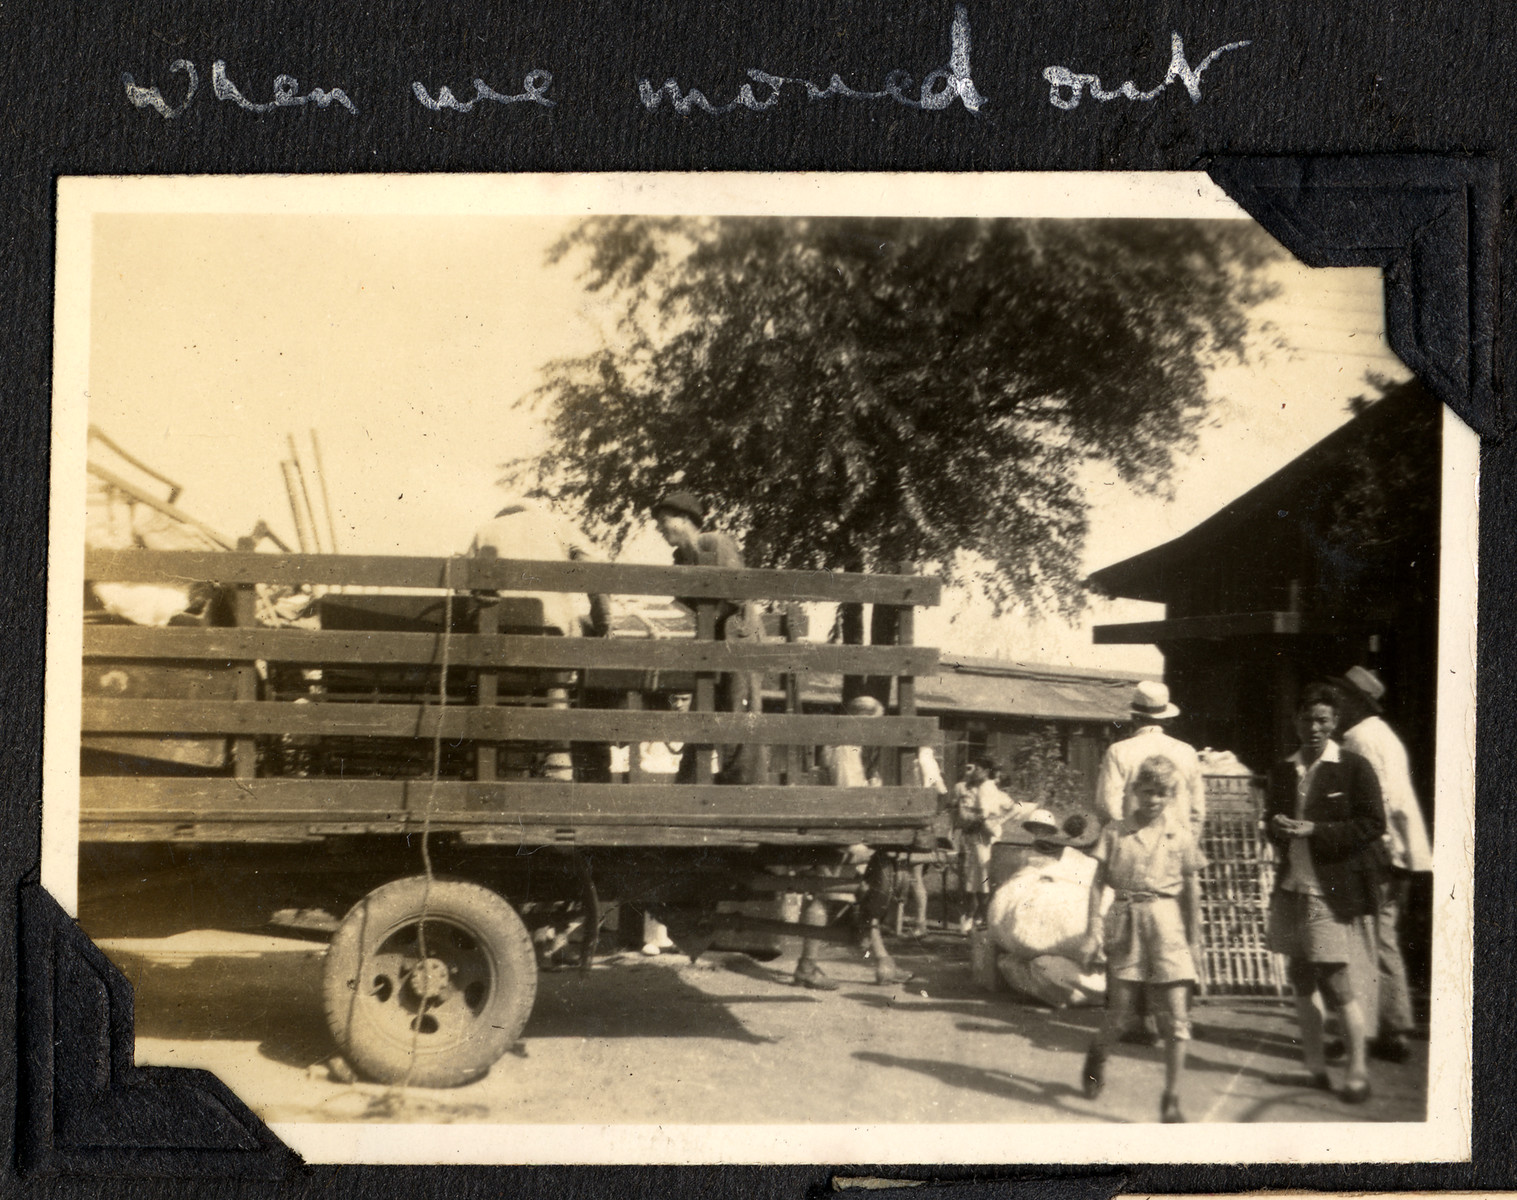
point(417, 771)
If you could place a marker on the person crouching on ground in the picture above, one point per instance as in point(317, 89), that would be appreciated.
point(1153, 930)
point(1325, 818)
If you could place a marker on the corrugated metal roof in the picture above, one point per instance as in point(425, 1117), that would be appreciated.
point(1006, 691)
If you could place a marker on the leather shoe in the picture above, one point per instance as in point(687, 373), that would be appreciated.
point(1393, 1048)
point(889, 975)
point(1356, 1091)
point(813, 978)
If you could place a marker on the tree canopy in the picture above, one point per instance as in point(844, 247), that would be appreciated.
point(854, 393)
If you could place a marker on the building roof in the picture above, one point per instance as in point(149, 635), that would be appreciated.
point(995, 687)
point(1272, 504)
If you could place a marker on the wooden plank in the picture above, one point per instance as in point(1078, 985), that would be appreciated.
point(485, 574)
point(1226, 625)
point(529, 802)
point(101, 715)
point(481, 650)
point(289, 833)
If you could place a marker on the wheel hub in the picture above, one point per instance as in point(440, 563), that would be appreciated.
point(430, 978)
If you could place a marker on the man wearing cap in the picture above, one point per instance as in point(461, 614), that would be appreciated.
point(1405, 842)
point(1151, 708)
point(679, 517)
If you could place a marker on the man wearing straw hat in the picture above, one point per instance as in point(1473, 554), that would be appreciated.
point(1406, 846)
point(1150, 710)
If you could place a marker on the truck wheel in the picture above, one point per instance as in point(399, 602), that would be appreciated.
point(433, 1006)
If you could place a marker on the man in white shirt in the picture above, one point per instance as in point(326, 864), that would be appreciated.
point(1150, 710)
point(525, 529)
point(1406, 845)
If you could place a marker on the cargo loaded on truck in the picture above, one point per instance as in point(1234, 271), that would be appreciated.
point(413, 768)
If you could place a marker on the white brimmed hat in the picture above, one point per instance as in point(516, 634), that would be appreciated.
point(1041, 822)
point(1365, 682)
point(1151, 699)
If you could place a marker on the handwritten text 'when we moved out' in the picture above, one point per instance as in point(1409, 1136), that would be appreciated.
point(939, 88)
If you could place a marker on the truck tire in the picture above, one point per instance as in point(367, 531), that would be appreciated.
point(882, 885)
point(434, 1021)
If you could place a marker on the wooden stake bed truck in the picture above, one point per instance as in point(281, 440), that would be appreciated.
point(303, 759)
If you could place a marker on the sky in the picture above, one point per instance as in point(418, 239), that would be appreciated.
point(409, 344)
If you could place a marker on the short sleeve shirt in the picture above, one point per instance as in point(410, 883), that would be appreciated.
point(1151, 858)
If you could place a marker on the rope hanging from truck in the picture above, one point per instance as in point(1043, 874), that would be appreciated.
point(426, 812)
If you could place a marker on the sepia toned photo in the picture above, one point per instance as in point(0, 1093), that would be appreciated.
point(761, 669)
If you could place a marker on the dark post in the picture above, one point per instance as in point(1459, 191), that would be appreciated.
point(486, 753)
point(245, 613)
point(633, 700)
point(704, 699)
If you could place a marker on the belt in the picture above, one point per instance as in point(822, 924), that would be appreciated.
point(1140, 897)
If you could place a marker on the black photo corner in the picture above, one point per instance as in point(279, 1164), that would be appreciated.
point(1357, 134)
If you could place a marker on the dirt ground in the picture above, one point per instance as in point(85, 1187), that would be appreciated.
point(728, 1040)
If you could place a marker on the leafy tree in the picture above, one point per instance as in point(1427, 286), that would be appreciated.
point(1036, 772)
point(858, 393)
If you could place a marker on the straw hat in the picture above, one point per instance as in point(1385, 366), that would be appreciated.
point(1363, 682)
point(1150, 699)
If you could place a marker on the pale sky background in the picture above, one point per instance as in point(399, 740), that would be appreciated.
point(404, 341)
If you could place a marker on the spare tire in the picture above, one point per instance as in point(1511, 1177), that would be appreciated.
point(433, 1004)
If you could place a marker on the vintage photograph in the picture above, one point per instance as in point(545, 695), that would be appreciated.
point(738, 668)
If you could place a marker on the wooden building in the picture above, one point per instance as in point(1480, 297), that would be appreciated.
point(995, 707)
point(1330, 562)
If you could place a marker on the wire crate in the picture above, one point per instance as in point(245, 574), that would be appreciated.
point(1235, 892)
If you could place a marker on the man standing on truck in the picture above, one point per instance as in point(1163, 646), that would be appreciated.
point(525, 529)
point(679, 517)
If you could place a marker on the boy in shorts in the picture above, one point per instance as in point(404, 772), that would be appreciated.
point(1152, 933)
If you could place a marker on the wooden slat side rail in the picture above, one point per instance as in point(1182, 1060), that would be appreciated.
point(287, 833)
point(484, 574)
point(507, 651)
point(195, 717)
point(531, 802)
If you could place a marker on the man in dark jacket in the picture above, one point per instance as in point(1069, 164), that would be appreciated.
point(1325, 818)
point(679, 517)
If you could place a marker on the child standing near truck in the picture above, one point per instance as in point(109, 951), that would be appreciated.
point(1152, 932)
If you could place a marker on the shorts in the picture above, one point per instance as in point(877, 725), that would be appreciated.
point(1146, 942)
point(1303, 927)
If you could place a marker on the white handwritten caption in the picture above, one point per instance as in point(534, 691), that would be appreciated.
point(286, 92)
point(938, 90)
point(1061, 79)
point(533, 85)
